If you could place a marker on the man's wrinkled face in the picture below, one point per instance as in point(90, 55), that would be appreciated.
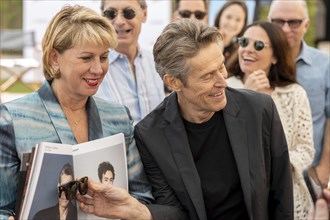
point(204, 91)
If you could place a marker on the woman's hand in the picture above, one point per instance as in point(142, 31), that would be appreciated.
point(257, 81)
point(321, 210)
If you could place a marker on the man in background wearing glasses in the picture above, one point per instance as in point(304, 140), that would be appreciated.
point(132, 79)
point(196, 9)
point(313, 73)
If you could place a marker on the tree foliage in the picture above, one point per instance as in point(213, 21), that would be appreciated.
point(11, 14)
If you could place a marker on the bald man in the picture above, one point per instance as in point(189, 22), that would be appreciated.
point(313, 73)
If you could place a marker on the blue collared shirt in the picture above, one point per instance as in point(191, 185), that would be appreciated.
point(141, 93)
point(313, 73)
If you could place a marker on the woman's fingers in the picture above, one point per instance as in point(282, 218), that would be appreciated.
point(257, 81)
point(326, 193)
point(321, 210)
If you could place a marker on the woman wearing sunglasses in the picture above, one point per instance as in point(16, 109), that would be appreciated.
point(266, 65)
point(231, 21)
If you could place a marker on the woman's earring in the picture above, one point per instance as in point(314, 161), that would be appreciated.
point(56, 74)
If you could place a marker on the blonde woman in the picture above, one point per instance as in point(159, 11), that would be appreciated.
point(75, 60)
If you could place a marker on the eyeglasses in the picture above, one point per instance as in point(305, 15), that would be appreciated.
point(294, 23)
point(187, 14)
point(70, 188)
point(258, 44)
point(112, 13)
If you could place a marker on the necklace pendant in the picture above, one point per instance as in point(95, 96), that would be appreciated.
point(75, 122)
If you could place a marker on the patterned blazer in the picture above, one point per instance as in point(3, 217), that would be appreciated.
point(38, 117)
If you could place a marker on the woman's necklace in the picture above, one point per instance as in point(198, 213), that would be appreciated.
point(78, 121)
point(68, 114)
point(72, 120)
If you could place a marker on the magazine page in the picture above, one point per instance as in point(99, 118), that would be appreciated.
point(41, 189)
point(102, 160)
point(57, 165)
point(24, 175)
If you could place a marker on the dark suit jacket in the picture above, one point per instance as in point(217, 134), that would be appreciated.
point(259, 147)
point(54, 213)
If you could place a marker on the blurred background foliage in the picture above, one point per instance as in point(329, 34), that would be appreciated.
point(11, 14)
point(11, 17)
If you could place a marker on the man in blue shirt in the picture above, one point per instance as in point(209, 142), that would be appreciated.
point(313, 74)
point(132, 79)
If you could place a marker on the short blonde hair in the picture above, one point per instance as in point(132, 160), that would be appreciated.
point(71, 26)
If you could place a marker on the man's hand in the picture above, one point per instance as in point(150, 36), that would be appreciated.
point(112, 202)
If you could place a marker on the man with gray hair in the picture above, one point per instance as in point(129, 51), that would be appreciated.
point(132, 79)
point(210, 152)
point(313, 73)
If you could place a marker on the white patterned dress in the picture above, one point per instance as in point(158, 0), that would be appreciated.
point(294, 109)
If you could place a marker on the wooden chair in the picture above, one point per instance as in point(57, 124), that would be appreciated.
point(14, 40)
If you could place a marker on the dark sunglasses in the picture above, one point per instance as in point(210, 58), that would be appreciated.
point(70, 188)
point(112, 13)
point(258, 44)
point(187, 14)
point(294, 23)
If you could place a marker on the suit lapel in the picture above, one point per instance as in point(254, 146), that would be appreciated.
point(176, 135)
point(94, 122)
point(56, 114)
point(236, 129)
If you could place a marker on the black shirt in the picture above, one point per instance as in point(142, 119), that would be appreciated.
point(215, 163)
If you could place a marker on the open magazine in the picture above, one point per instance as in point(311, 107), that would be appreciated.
point(50, 168)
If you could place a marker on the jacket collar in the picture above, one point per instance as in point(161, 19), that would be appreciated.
point(182, 153)
point(236, 129)
point(305, 54)
point(59, 120)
